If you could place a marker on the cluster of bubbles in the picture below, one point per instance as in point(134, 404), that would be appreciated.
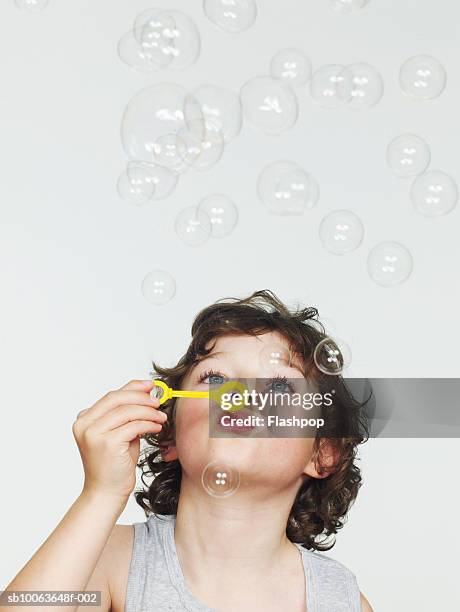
point(215, 217)
point(287, 189)
point(160, 39)
point(356, 86)
point(32, 6)
point(433, 193)
point(167, 130)
point(231, 15)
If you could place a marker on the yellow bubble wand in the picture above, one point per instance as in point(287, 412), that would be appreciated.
point(162, 392)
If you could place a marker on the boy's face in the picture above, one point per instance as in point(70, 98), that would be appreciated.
point(259, 460)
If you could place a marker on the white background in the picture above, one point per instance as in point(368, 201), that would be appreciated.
point(74, 323)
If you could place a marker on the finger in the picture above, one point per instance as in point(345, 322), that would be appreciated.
point(112, 399)
point(126, 413)
point(127, 432)
point(137, 385)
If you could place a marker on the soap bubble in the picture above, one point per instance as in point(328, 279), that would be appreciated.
point(201, 146)
point(389, 263)
point(274, 356)
point(341, 231)
point(231, 15)
point(324, 86)
point(158, 287)
point(136, 187)
point(434, 193)
point(423, 77)
point(360, 86)
point(222, 213)
point(332, 356)
point(164, 180)
point(171, 34)
point(219, 107)
point(220, 479)
point(151, 113)
point(348, 6)
point(292, 65)
point(32, 6)
point(286, 189)
point(193, 226)
point(269, 104)
point(408, 155)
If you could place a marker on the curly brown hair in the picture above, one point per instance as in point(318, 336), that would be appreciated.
point(321, 504)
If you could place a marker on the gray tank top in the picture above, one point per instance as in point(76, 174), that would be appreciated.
point(156, 582)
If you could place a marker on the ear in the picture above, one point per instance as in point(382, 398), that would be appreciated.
point(168, 453)
point(326, 455)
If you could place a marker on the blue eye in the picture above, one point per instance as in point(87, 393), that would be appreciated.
point(280, 385)
point(215, 378)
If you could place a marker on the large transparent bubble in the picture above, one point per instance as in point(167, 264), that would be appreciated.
point(152, 113)
point(389, 264)
point(158, 287)
point(434, 193)
point(269, 104)
point(325, 83)
point(231, 15)
point(348, 6)
point(422, 77)
point(408, 155)
point(291, 65)
point(341, 231)
point(170, 34)
point(164, 180)
point(286, 189)
point(193, 226)
point(219, 107)
point(32, 6)
point(360, 86)
point(222, 213)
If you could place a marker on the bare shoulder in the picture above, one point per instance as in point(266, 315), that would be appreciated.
point(365, 605)
point(110, 576)
point(117, 559)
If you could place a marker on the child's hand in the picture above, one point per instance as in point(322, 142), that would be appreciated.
point(107, 437)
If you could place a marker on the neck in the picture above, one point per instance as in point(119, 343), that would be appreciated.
point(235, 534)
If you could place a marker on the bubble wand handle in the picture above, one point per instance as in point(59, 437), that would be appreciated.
point(196, 394)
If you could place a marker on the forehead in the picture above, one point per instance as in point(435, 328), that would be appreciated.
point(245, 342)
point(250, 346)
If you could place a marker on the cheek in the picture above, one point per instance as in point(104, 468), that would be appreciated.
point(291, 455)
point(192, 421)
